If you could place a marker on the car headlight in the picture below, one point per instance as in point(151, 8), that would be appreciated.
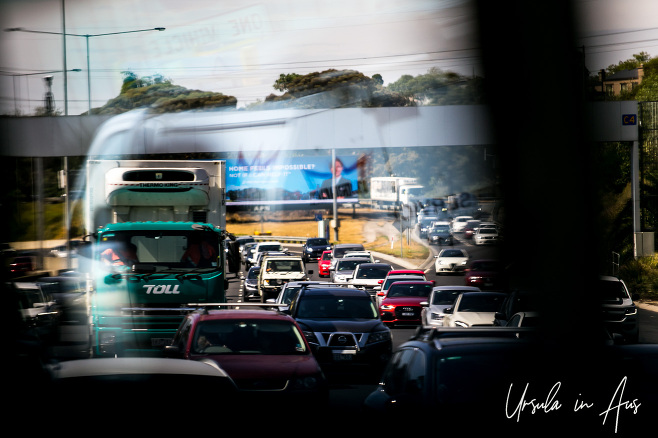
point(436, 316)
point(310, 337)
point(379, 337)
point(464, 262)
point(309, 382)
point(309, 249)
point(460, 324)
point(387, 307)
point(630, 311)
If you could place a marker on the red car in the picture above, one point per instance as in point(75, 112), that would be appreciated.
point(485, 274)
point(323, 264)
point(402, 304)
point(21, 264)
point(470, 227)
point(414, 272)
point(264, 352)
point(406, 272)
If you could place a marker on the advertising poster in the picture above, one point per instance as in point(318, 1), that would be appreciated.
point(287, 180)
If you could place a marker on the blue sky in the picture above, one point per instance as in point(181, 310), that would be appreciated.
point(239, 48)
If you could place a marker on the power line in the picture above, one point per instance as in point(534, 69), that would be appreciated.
point(621, 32)
point(621, 43)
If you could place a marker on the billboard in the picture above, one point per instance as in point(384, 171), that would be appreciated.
point(261, 180)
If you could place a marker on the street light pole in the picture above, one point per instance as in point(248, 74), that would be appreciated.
point(66, 79)
point(86, 36)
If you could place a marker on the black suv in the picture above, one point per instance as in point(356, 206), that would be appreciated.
point(618, 310)
point(484, 381)
point(343, 328)
point(314, 247)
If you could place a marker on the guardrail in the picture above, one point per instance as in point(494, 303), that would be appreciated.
point(282, 239)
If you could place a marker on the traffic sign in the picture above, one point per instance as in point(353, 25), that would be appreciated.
point(629, 119)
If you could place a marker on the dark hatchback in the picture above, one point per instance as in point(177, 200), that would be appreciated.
point(343, 328)
point(314, 247)
point(440, 234)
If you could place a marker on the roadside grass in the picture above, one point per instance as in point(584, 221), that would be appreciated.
point(411, 250)
point(351, 231)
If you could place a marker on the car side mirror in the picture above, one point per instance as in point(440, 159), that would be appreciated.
point(172, 351)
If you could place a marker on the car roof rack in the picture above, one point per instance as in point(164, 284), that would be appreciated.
point(203, 308)
point(431, 333)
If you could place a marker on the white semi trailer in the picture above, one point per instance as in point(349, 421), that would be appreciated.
point(394, 192)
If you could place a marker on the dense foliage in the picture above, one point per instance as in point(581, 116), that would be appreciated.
point(327, 89)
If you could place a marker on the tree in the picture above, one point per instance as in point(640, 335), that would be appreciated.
point(629, 64)
point(159, 95)
point(437, 87)
point(284, 81)
point(332, 89)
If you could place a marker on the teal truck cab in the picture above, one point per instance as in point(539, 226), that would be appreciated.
point(146, 274)
point(158, 232)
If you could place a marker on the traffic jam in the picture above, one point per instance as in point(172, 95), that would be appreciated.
point(316, 217)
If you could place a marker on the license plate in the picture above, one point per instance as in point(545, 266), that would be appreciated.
point(344, 355)
point(160, 342)
point(407, 314)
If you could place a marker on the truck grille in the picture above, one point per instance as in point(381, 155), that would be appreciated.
point(341, 339)
point(158, 175)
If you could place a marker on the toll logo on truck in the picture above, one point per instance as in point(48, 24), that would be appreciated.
point(158, 289)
